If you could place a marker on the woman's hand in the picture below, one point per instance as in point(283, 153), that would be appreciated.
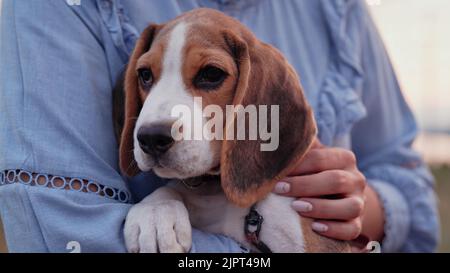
point(332, 190)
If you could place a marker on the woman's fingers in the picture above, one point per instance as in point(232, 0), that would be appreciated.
point(340, 209)
point(322, 173)
point(318, 160)
point(325, 172)
point(325, 183)
point(345, 231)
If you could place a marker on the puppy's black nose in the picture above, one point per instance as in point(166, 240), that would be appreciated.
point(155, 139)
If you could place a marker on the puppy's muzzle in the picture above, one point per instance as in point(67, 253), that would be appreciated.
point(156, 139)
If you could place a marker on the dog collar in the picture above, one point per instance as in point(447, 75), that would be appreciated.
point(252, 228)
point(196, 182)
point(192, 186)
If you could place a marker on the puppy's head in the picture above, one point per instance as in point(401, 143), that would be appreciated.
point(208, 55)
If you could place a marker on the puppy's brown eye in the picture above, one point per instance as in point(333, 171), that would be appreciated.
point(145, 77)
point(209, 77)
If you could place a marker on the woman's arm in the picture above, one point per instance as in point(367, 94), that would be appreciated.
point(382, 143)
point(57, 68)
point(399, 205)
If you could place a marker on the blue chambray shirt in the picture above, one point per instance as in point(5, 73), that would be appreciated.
point(58, 66)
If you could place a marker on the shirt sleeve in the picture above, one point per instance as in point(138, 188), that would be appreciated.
point(382, 143)
point(59, 62)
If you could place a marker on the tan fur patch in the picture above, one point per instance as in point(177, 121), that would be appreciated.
point(315, 243)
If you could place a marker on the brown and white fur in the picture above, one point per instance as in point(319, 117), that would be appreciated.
point(236, 173)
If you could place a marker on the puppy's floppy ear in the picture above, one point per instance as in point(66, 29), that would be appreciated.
point(133, 102)
point(265, 78)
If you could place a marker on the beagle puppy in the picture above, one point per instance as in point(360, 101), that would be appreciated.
point(217, 186)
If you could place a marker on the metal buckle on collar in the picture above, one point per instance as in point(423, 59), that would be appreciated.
point(252, 228)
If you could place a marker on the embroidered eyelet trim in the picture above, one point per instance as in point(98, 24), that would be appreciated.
point(63, 183)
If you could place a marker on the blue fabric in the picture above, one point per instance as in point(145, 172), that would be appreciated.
point(58, 66)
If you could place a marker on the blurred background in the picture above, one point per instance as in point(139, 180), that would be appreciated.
point(417, 36)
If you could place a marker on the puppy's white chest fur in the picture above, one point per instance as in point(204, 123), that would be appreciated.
point(281, 229)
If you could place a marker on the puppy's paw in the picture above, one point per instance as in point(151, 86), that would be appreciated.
point(158, 227)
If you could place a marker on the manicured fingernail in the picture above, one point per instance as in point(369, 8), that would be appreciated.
point(282, 187)
point(302, 206)
point(319, 227)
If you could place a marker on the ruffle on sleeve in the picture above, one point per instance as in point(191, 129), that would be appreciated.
point(339, 104)
point(122, 31)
